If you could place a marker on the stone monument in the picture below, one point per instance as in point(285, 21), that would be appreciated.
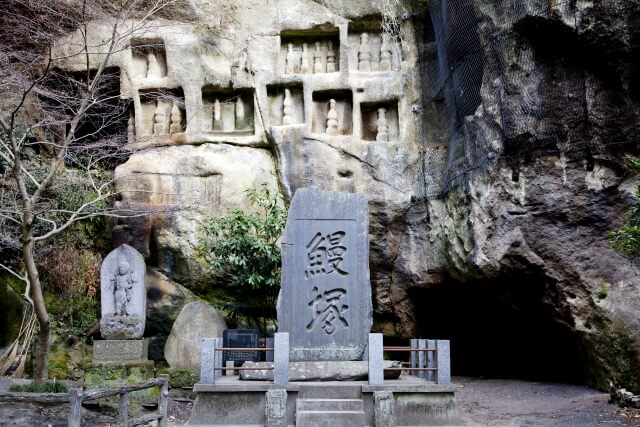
point(123, 306)
point(325, 300)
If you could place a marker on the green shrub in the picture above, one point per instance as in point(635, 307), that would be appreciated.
point(48, 387)
point(242, 251)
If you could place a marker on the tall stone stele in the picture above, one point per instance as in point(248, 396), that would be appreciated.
point(123, 295)
point(325, 299)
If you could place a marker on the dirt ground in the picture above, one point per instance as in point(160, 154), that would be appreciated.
point(481, 402)
point(488, 402)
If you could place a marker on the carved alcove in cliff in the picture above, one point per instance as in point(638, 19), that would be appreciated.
point(162, 113)
point(286, 104)
point(227, 111)
point(380, 121)
point(370, 50)
point(148, 59)
point(332, 112)
point(105, 120)
point(312, 51)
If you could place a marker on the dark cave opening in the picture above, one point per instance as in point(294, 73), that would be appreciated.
point(501, 329)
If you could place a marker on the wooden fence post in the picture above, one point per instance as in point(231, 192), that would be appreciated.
point(123, 413)
point(75, 399)
point(163, 402)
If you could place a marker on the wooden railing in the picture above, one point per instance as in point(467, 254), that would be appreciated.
point(76, 396)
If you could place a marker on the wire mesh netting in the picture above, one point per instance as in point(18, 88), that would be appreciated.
point(473, 58)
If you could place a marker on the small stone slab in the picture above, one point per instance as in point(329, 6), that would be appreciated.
point(119, 350)
point(355, 370)
point(325, 299)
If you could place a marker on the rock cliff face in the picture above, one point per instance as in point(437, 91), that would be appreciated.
point(299, 93)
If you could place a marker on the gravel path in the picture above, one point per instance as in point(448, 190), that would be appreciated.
point(484, 402)
point(481, 402)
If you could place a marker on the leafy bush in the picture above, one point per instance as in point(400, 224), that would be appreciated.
point(48, 387)
point(242, 250)
point(626, 240)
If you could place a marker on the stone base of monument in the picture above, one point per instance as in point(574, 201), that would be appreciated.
point(406, 401)
point(105, 351)
point(117, 363)
point(355, 370)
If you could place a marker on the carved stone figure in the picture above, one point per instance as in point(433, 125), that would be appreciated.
point(318, 60)
point(385, 54)
point(123, 295)
point(332, 118)
point(304, 66)
point(122, 282)
point(159, 120)
point(364, 53)
point(287, 110)
point(383, 128)
point(290, 67)
point(331, 58)
point(176, 119)
point(153, 67)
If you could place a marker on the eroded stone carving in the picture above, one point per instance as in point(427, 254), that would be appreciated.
point(304, 64)
point(148, 58)
point(332, 118)
point(380, 121)
point(287, 110)
point(383, 129)
point(227, 111)
point(159, 119)
point(385, 54)
point(364, 53)
point(307, 56)
point(331, 58)
point(176, 119)
point(123, 295)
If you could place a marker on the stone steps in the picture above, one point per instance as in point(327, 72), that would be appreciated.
point(329, 413)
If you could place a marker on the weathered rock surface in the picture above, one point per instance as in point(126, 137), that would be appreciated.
point(550, 98)
point(355, 370)
point(197, 320)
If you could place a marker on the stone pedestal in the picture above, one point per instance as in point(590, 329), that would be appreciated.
point(118, 351)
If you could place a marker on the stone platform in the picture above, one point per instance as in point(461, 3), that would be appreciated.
point(407, 401)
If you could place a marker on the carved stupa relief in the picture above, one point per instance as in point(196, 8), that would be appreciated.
point(317, 54)
point(286, 105)
point(380, 121)
point(148, 59)
point(227, 111)
point(332, 112)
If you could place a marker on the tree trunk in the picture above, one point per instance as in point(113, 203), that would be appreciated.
point(41, 371)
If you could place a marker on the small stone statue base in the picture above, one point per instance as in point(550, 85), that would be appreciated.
point(121, 327)
point(119, 350)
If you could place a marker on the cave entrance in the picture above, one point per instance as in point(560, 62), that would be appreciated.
point(502, 329)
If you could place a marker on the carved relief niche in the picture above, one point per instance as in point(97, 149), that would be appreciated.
point(380, 121)
point(228, 111)
point(148, 58)
point(313, 51)
point(162, 113)
point(332, 112)
point(286, 105)
point(371, 50)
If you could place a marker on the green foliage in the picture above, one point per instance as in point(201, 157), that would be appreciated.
point(182, 378)
point(48, 387)
point(626, 240)
point(242, 251)
point(75, 319)
point(603, 291)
